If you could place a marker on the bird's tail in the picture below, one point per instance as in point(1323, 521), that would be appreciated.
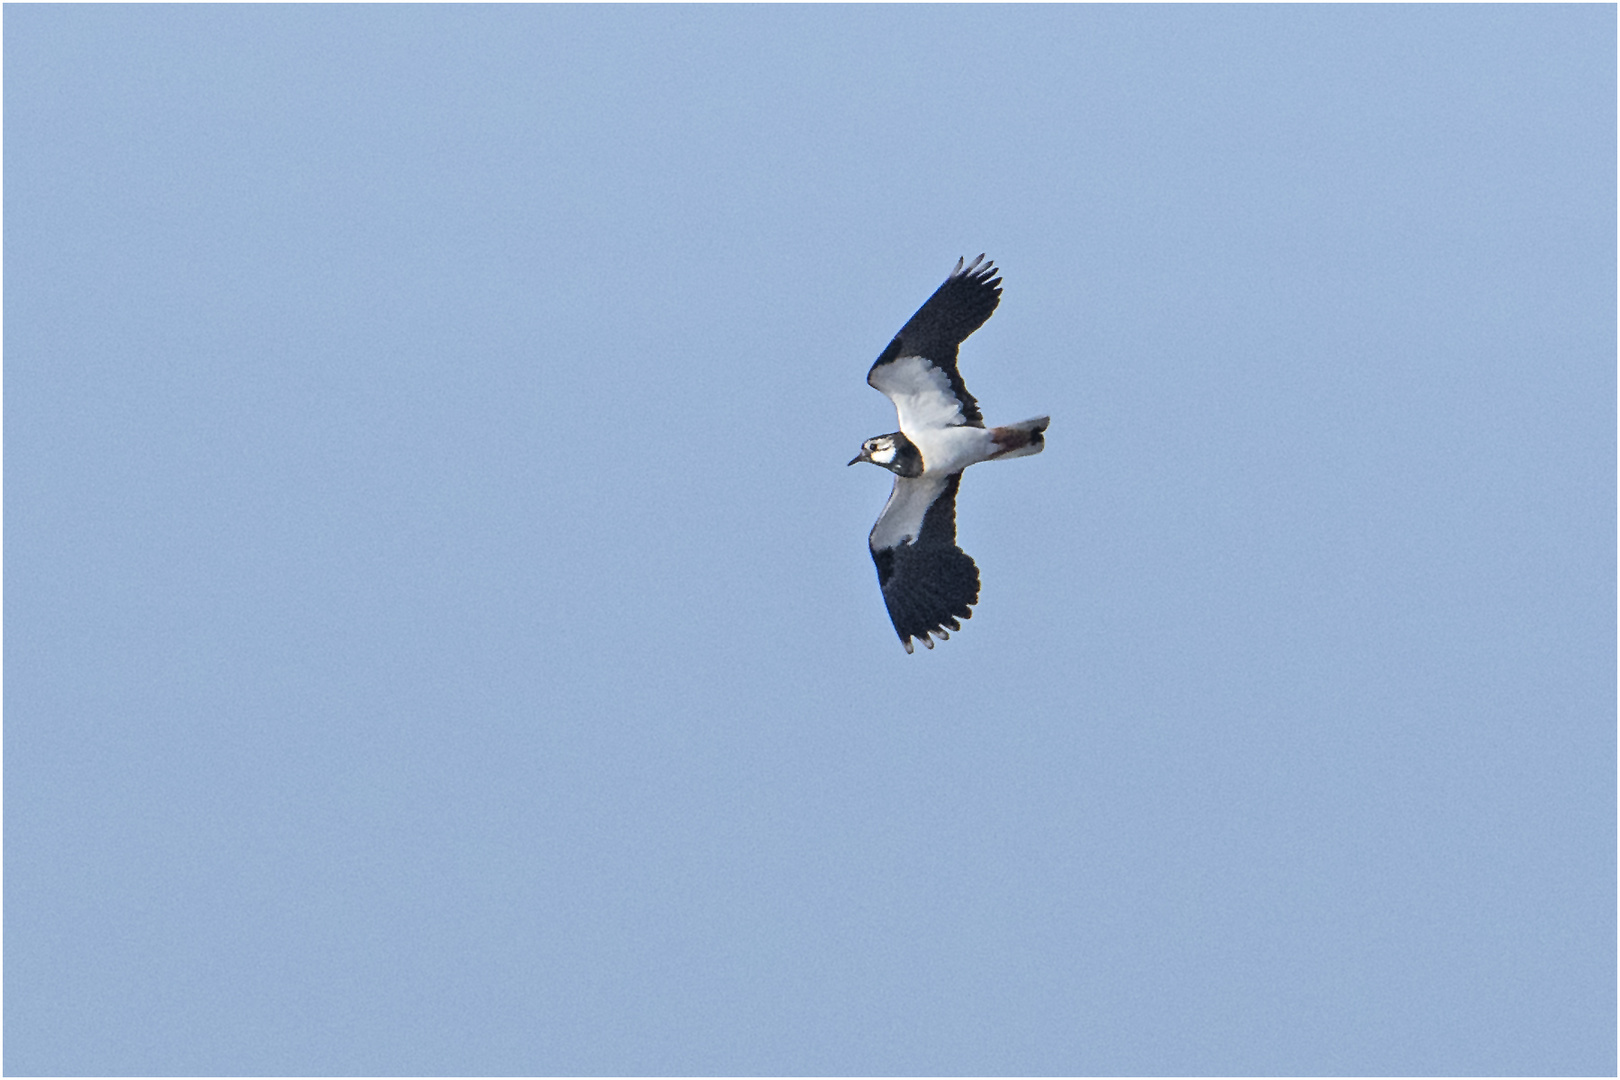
point(1021, 439)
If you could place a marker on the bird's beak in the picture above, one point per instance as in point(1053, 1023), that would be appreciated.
point(858, 457)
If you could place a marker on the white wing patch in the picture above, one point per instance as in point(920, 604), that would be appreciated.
point(921, 394)
point(903, 514)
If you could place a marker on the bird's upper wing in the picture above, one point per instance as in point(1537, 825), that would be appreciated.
point(928, 582)
point(918, 369)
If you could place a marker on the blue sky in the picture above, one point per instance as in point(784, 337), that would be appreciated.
point(439, 630)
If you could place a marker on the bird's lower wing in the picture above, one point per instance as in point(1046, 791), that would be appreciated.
point(928, 582)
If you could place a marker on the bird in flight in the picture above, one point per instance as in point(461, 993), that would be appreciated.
point(928, 582)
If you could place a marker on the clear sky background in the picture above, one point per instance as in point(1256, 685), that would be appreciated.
point(439, 630)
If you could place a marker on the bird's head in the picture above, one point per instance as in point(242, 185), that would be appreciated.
point(893, 452)
point(879, 451)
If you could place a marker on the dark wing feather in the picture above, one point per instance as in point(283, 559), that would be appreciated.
point(958, 307)
point(929, 583)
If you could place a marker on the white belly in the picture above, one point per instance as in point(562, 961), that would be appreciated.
point(948, 450)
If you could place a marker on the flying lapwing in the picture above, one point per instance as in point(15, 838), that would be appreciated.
point(928, 582)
